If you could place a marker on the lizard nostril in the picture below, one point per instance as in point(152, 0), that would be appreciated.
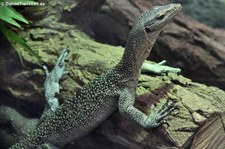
point(147, 30)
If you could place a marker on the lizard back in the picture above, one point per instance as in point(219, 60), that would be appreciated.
point(77, 116)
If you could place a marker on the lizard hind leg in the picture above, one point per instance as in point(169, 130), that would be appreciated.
point(158, 68)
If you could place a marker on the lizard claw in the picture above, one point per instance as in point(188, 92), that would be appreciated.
point(162, 62)
point(46, 70)
point(165, 122)
point(155, 118)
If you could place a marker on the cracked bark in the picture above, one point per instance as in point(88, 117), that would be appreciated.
point(199, 105)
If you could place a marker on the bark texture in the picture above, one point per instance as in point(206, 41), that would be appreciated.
point(194, 47)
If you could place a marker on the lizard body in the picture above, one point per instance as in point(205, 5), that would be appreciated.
point(114, 89)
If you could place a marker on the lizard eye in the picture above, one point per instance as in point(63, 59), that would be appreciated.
point(160, 17)
point(147, 30)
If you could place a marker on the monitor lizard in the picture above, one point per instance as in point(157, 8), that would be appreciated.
point(114, 89)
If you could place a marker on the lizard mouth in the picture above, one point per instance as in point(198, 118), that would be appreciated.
point(166, 15)
point(175, 8)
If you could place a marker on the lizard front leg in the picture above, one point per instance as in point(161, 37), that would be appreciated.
point(154, 119)
point(51, 84)
point(158, 68)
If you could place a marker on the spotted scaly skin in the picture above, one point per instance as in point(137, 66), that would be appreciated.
point(115, 89)
point(80, 114)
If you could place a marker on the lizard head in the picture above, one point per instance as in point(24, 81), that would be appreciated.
point(146, 29)
point(153, 20)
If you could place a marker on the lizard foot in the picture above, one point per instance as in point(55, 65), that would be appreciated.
point(155, 118)
point(159, 68)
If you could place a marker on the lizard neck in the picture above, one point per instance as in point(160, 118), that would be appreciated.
point(137, 49)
